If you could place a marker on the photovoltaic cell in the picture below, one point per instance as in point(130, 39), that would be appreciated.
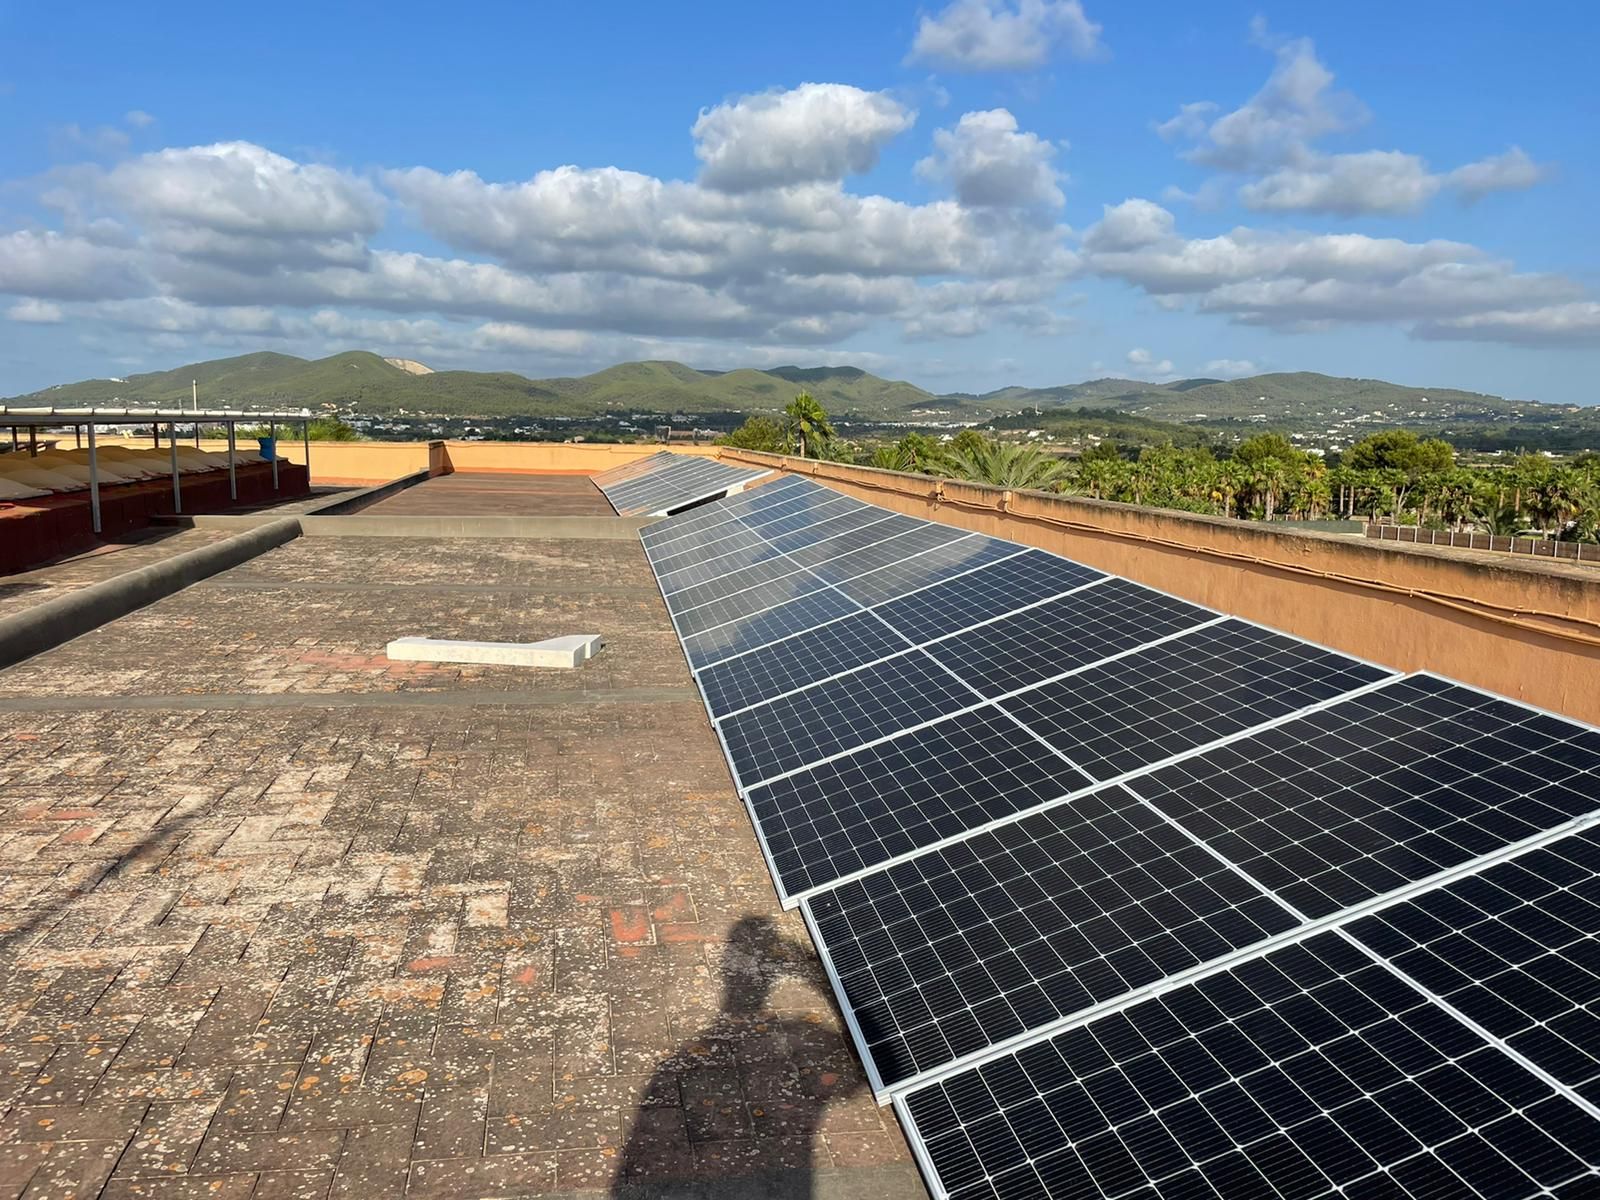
point(672, 483)
point(697, 521)
point(702, 561)
point(762, 628)
point(746, 603)
point(1170, 698)
point(1381, 790)
point(785, 666)
point(947, 953)
point(1517, 949)
point(1062, 634)
point(906, 544)
point(765, 571)
point(928, 568)
point(823, 530)
point(855, 542)
point(832, 717)
point(898, 796)
point(1311, 1072)
point(999, 588)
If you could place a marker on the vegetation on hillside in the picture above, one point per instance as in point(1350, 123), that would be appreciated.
point(1392, 474)
point(1188, 412)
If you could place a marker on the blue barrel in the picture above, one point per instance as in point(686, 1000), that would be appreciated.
point(269, 448)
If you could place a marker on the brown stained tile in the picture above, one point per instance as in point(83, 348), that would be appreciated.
point(384, 932)
point(73, 1169)
point(225, 1153)
point(374, 1162)
point(70, 1075)
point(292, 1185)
point(452, 1123)
point(168, 1138)
point(18, 1162)
point(503, 1175)
point(867, 1149)
point(98, 1120)
point(181, 1187)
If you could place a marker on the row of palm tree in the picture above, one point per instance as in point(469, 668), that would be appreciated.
point(1393, 475)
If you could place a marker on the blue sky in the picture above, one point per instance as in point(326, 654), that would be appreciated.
point(965, 194)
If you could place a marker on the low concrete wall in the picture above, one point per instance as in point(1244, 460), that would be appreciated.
point(1528, 629)
point(586, 528)
point(371, 495)
point(554, 458)
point(47, 625)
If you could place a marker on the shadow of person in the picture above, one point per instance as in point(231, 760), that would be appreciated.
point(735, 1110)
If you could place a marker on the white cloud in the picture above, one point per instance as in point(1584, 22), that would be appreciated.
point(138, 118)
point(1374, 181)
point(1001, 35)
point(1576, 324)
point(1508, 172)
point(815, 133)
point(238, 202)
point(1295, 107)
point(35, 312)
point(1231, 368)
point(1273, 137)
point(1144, 365)
point(1300, 281)
point(989, 163)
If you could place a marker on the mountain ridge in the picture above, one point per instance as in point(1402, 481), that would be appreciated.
point(359, 382)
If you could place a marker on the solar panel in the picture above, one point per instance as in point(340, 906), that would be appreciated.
point(1381, 790)
point(948, 953)
point(760, 629)
point(745, 603)
point(1515, 948)
point(767, 570)
point(697, 567)
point(788, 665)
point(1311, 1072)
point(894, 797)
point(854, 541)
point(1006, 585)
point(1167, 699)
point(833, 717)
point(824, 526)
point(666, 482)
point(632, 470)
point(928, 568)
point(725, 512)
point(906, 543)
point(1073, 630)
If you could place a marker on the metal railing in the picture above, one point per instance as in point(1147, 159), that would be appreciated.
point(1538, 547)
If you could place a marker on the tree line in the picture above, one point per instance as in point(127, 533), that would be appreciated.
point(1394, 475)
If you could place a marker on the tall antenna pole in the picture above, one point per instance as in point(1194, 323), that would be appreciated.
point(194, 391)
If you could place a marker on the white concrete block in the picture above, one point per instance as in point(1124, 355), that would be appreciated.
point(552, 652)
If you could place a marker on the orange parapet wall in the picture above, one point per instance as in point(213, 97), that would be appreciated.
point(1527, 629)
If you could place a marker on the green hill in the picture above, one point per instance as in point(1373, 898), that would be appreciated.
point(1327, 408)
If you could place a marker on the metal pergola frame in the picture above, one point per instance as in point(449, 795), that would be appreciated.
point(34, 419)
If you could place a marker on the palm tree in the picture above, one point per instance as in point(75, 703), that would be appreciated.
point(810, 431)
point(1009, 466)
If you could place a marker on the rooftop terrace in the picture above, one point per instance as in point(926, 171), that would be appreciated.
point(284, 918)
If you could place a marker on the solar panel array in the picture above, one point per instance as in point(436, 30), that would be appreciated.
point(663, 483)
point(1124, 897)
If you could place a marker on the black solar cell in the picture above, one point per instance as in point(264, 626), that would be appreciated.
point(1168, 699)
point(945, 954)
point(901, 795)
point(1382, 790)
point(1059, 635)
point(766, 627)
point(1311, 1072)
point(840, 714)
point(785, 666)
point(999, 588)
point(1516, 948)
point(928, 568)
